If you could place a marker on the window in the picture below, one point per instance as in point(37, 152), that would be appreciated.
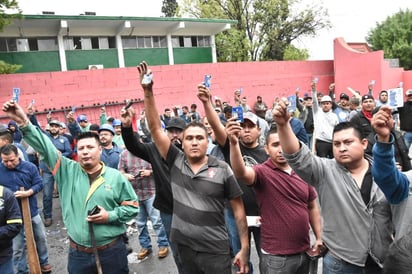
point(190, 41)
point(129, 43)
point(144, 42)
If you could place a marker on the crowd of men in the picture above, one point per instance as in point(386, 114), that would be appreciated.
point(337, 169)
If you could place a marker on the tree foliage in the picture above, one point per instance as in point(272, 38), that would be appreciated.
point(394, 37)
point(9, 9)
point(6, 68)
point(170, 8)
point(265, 29)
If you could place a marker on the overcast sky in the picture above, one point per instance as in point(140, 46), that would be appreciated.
point(351, 19)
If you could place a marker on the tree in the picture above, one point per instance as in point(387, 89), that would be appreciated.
point(169, 8)
point(394, 37)
point(6, 68)
point(265, 28)
point(7, 6)
point(9, 9)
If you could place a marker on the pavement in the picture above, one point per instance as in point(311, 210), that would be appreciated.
point(58, 246)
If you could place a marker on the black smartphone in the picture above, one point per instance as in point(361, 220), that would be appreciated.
point(129, 104)
point(95, 210)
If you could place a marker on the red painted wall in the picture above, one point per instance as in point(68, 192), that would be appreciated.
point(176, 85)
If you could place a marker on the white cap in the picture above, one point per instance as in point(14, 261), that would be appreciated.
point(408, 92)
point(326, 98)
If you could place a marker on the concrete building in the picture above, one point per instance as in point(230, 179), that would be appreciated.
point(51, 42)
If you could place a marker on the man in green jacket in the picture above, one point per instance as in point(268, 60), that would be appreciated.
point(82, 186)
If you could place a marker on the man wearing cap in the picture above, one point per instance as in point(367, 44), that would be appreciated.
point(63, 145)
point(306, 116)
point(324, 122)
point(405, 118)
point(342, 108)
point(148, 151)
point(111, 151)
point(117, 126)
point(252, 152)
point(83, 123)
point(364, 117)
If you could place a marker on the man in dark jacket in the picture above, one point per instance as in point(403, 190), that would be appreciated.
point(10, 225)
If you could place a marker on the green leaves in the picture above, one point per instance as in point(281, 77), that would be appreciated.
point(394, 37)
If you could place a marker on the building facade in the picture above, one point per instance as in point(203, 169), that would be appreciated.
point(45, 43)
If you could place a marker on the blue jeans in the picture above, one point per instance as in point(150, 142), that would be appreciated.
point(234, 235)
point(333, 265)
point(310, 140)
point(289, 264)
point(408, 139)
point(48, 185)
point(167, 223)
point(19, 246)
point(113, 260)
point(148, 211)
point(7, 267)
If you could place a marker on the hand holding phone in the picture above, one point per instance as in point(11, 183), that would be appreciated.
point(95, 210)
point(208, 80)
point(237, 112)
point(147, 79)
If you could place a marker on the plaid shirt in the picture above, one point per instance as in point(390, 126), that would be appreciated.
point(143, 186)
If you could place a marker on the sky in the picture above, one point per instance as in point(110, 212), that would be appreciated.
point(350, 19)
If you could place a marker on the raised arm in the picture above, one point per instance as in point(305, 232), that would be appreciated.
point(393, 183)
point(212, 117)
point(288, 141)
point(152, 114)
point(242, 172)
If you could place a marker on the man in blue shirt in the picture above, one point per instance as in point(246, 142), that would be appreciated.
point(14, 174)
point(111, 151)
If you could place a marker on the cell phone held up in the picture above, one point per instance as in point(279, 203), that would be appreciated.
point(95, 210)
point(237, 112)
point(207, 80)
point(147, 79)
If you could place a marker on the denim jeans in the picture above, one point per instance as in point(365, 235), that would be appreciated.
point(7, 267)
point(310, 140)
point(234, 235)
point(113, 260)
point(48, 185)
point(167, 223)
point(333, 265)
point(408, 139)
point(148, 211)
point(289, 264)
point(19, 246)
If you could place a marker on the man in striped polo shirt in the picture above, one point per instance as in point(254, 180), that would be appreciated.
point(200, 186)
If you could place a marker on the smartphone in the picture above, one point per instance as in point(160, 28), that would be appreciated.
point(372, 82)
point(207, 80)
point(32, 102)
point(95, 210)
point(73, 109)
point(315, 80)
point(147, 79)
point(237, 112)
point(129, 104)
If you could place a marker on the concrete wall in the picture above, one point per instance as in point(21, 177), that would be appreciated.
point(176, 85)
